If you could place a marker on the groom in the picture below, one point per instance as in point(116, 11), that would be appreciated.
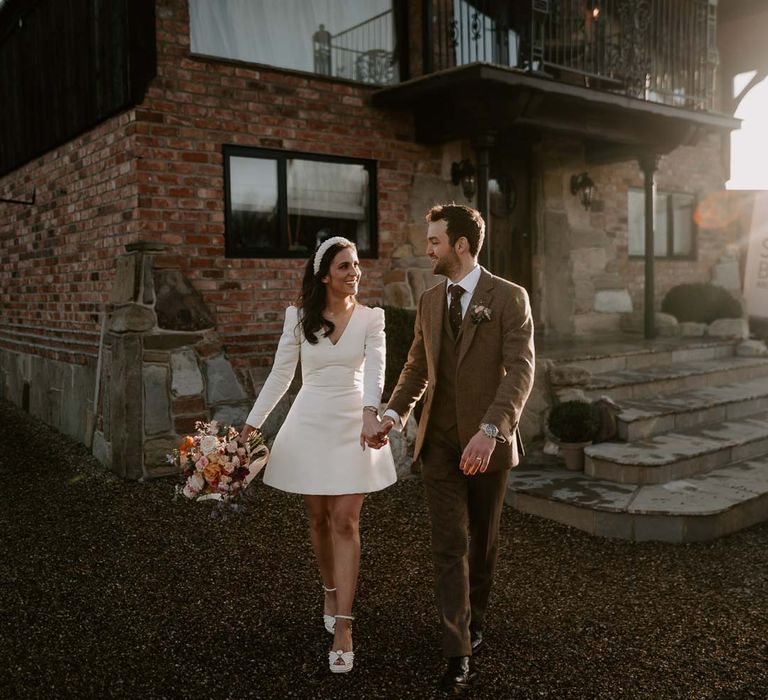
point(473, 355)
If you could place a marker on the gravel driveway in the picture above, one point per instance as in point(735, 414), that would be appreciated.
point(110, 589)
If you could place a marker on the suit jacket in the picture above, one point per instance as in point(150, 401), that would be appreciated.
point(495, 364)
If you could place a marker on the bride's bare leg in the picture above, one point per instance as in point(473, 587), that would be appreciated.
point(318, 511)
point(345, 532)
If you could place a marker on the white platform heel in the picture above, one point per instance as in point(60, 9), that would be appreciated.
point(341, 661)
point(329, 621)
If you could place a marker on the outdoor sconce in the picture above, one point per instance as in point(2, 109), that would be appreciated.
point(463, 173)
point(583, 186)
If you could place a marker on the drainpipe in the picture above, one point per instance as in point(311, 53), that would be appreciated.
point(649, 164)
point(483, 146)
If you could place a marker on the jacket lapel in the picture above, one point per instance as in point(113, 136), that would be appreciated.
point(436, 311)
point(482, 293)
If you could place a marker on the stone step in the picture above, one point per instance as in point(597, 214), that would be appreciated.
point(622, 355)
point(642, 418)
point(673, 378)
point(696, 509)
point(678, 455)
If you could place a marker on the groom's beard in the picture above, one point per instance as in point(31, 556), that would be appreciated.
point(448, 265)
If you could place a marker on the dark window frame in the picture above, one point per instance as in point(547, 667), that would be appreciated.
point(282, 157)
point(688, 257)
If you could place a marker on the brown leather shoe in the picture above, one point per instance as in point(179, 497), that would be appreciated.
point(458, 674)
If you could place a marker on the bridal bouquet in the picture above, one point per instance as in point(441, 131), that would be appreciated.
point(218, 467)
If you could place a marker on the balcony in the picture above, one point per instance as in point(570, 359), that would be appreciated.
point(661, 51)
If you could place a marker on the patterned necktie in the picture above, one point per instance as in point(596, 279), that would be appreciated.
point(454, 311)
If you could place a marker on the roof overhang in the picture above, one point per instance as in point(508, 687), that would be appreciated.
point(469, 101)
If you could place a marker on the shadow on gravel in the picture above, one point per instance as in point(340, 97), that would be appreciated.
point(110, 589)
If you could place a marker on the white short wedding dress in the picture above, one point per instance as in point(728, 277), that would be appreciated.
point(317, 450)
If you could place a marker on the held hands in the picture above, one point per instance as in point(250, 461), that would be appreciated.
point(372, 434)
point(477, 454)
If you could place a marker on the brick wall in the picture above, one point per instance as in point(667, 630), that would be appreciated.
point(197, 105)
point(156, 173)
point(57, 256)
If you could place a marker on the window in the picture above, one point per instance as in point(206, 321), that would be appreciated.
point(353, 39)
point(674, 231)
point(282, 204)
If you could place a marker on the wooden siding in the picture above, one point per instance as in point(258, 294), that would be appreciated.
point(65, 66)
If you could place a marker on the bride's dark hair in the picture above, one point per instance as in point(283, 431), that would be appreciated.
point(311, 301)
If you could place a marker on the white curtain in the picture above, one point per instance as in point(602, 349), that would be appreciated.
point(274, 32)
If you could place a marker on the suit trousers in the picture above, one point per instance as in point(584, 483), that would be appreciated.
point(465, 513)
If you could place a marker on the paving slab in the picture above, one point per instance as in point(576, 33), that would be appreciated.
point(675, 377)
point(694, 509)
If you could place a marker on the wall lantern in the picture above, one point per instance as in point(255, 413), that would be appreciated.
point(463, 173)
point(583, 186)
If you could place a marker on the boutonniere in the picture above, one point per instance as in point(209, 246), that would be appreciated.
point(479, 313)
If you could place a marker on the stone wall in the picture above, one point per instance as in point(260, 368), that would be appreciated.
point(584, 279)
point(164, 368)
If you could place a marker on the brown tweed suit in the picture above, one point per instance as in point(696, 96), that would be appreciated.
point(483, 376)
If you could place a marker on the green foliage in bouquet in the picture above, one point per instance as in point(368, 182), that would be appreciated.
point(701, 303)
point(573, 421)
point(399, 328)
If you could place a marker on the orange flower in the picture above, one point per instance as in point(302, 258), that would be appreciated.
point(186, 444)
point(212, 472)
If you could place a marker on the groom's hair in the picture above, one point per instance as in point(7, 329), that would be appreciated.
point(460, 221)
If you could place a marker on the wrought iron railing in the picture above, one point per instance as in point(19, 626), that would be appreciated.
point(657, 50)
point(363, 52)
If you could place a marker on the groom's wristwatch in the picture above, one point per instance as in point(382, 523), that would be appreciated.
point(491, 431)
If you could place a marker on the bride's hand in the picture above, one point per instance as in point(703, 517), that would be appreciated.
point(370, 433)
point(244, 433)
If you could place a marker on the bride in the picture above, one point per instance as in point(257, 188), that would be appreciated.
point(321, 449)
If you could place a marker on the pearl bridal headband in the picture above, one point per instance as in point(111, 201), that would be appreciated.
point(325, 245)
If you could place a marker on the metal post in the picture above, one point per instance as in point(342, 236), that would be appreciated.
point(649, 164)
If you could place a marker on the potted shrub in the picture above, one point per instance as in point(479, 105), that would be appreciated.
point(574, 425)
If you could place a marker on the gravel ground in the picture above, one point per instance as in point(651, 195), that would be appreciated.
point(110, 589)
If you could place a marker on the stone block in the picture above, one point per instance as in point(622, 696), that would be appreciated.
point(157, 405)
point(417, 236)
point(666, 324)
point(595, 323)
point(690, 329)
point(613, 301)
point(751, 348)
point(231, 414)
point(398, 294)
point(394, 276)
point(222, 385)
point(569, 375)
point(170, 341)
point(587, 238)
point(126, 412)
point(156, 451)
point(186, 378)
point(156, 356)
point(185, 425)
point(124, 286)
point(209, 347)
point(402, 444)
point(179, 306)
point(101, 449)
point(188, 405)
point(729, 328)
point(608, 280)
point(132, 319)
point(587, 262)
point(726, 274)
point(421, 280)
